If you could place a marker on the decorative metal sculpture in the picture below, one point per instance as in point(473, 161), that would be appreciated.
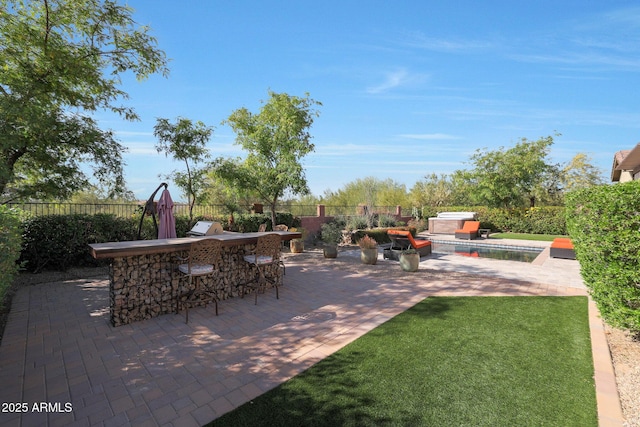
point(150, 208)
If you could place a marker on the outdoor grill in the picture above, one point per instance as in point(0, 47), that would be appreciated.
point(205, 228)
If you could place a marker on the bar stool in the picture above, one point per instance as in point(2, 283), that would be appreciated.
point(203, 261)
point(267, 254)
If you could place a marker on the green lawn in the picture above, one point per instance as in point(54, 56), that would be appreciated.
point(448, 361)
point(525, 236)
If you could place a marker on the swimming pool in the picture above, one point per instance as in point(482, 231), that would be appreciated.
point(479, 250)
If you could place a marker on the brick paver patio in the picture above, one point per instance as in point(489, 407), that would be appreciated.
point(58, 347)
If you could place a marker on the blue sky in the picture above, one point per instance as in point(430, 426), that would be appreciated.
point(408, 88)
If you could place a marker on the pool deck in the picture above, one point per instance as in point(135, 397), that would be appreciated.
point(59, 347)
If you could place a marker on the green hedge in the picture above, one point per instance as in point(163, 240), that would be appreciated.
point(543, 220)
point(604, 224)
point(10, 244)
point(61, 241)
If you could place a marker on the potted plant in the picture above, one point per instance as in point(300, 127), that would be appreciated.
point(368, 250)
point(331, 235)
point(297, 245)
point(410, 260)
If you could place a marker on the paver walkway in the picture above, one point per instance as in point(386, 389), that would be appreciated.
point(59, 349)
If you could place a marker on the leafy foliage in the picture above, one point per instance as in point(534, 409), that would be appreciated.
point(604, 225)
point(185, 141)
point(60, 241)
point(275, 139)
point(247, 223)
point(515, 177)
point(331, 233)
point(369, 191)
point(62, 61)
point(546, 220)
point(433, 190)
point(510, 177)
point(10, 244)
point(580, 173)
point(542, 220)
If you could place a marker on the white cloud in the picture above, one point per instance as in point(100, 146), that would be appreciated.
point(418, 40)
point(396, 79)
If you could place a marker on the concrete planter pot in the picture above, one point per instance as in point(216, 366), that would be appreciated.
point(296, 246)
point(369, 256)
point(330, 251)
point(410, 262)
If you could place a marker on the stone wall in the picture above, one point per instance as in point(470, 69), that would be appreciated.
point(445, 226)
point(146, 286)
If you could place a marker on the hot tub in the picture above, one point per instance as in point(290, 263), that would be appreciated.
point(449, 222)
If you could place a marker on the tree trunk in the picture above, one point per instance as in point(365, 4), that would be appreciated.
point(273, 213)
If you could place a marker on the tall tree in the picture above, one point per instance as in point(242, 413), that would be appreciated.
point(186, 141)
point(433, 190)
point(275, 139)
point(580, 173)
point(60, 62)
point(510, 177)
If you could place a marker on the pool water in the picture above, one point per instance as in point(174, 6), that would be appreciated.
point(487, 251)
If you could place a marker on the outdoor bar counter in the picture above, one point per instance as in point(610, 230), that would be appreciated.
point(144, 283)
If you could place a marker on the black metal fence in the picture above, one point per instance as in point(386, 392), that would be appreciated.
point(182, 209)
point(117, 209)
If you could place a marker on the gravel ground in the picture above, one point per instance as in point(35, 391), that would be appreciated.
point(625, 353)
point(624, 347)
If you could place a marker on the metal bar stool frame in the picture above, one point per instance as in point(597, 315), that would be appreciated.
point(267, 253)
point(204, 259)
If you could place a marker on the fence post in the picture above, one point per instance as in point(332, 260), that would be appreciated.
point(320, 211)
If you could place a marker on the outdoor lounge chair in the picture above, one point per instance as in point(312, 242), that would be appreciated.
point(469, 230)
point(562, 247)
point(402, 239)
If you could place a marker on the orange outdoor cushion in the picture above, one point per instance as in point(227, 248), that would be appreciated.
point(407, 234)
point(470, 227)
point(562, 243)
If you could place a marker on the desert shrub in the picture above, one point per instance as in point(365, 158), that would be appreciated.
point(367, 242)
point(604, 225)
point(247, 223)
point(331, 233)
point(419, 224)
point(10, 246)
point(357, 222)
point(386, 221)
point(340, 221)
point(378, 234)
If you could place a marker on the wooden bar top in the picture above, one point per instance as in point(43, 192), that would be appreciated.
point(143, 247)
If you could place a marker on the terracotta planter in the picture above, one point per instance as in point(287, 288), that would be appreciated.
point(296, 246)
point(369, 256)
point(410, 262)
point(330, 251)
